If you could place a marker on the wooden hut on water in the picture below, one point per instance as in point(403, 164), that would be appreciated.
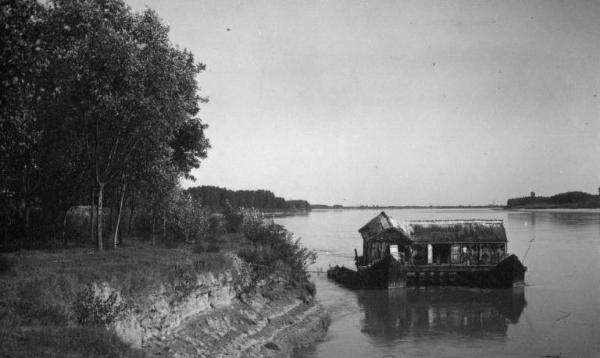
point(423, 252)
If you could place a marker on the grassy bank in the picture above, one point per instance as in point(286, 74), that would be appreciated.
point(49, 308)
point(40, 309)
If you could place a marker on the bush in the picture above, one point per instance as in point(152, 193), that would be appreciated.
point(96, 305)
point(273, 251)
point(217, 225)
point(191, 221)
point(182, 280)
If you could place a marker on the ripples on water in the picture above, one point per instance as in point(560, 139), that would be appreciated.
point(556, 314)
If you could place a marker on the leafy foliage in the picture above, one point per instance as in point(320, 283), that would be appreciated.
point(94, 99)
point(182, 280)
point(571, 199)
point(220, 198)
point(190, 219)
point(272, 250)
point(92, 307)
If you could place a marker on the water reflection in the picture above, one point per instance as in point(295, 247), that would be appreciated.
point(395, 314)
point(571, 220)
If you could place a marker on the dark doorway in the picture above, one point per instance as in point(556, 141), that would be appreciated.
point(441, 254)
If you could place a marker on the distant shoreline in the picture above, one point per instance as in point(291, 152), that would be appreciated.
point(568, 200)
point(339, 207)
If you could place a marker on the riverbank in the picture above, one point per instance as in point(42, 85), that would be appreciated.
point(568, 200)
point(142, 300)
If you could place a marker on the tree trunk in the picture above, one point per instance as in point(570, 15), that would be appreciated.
point(115, 240)
point(131, 213)
point(64, 229)
point(92, 216)
point(99, 216)
point(110, 201)
point(164, 226)
point(27, 222)
point(5, 224)
point(153, 230)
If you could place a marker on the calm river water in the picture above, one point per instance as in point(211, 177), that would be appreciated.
point(557, 314)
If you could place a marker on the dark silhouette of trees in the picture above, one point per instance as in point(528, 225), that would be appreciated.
point(218, 199)
point(95, 99)
point(571, 199)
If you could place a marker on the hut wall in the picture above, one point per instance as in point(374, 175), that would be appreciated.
point(375, 250)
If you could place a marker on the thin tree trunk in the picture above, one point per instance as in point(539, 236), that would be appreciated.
point(164, 226)
point(5, 224)
point(92, 216)
point(4, 228)
point(99, 217)
point(131, 213)
point(115, 240)
point(64, 229)
point(153, 230)
point(110, 201)
point(27, 222)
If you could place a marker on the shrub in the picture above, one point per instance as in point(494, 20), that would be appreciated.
point(216, 224)
point(234, 218)
point(96, 305)
point(190, 219)
point(182, 280)
point(273, 251)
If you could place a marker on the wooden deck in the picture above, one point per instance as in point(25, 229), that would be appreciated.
point(441, 274)
point(449, 267)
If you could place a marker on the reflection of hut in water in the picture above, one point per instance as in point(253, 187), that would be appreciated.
point(414, 312)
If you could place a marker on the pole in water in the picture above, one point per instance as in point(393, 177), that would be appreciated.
point(528, 247)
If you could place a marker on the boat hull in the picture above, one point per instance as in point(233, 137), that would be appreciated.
point(389, 273)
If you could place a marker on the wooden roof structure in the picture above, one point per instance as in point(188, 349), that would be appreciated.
point(382, 227)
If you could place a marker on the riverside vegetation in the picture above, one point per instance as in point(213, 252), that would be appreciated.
point(240, 269)
point(568, 200)
point(102, 253)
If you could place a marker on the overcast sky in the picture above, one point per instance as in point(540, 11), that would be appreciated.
point(396, 102)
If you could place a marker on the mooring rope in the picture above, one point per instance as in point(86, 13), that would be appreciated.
point(528, 247)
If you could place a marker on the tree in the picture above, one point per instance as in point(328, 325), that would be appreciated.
point(94, 97)
point(133, 94)
point(23, 60)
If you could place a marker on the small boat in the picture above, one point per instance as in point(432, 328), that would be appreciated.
point(432, 252)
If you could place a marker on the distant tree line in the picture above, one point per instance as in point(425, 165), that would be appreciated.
point(571, 199)
point(97, 113)
point(218, 199)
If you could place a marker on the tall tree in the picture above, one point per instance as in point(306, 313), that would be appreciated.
point(133, 94)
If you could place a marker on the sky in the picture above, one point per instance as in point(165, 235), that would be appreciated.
point(396, 102)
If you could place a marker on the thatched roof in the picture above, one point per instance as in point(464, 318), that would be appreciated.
point(376, 226)
point(450, 231)
point(435, 231)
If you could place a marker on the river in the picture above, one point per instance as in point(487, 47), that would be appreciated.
point(556, 314)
